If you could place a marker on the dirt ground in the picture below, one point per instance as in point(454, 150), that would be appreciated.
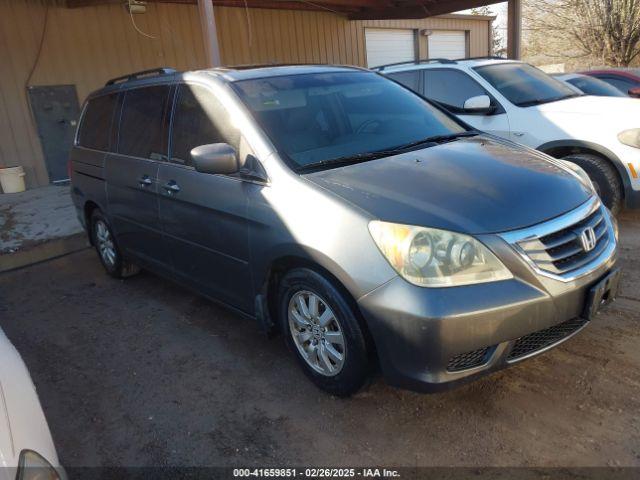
point(141, 372)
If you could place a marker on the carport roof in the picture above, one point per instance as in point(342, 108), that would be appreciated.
point(352, 9)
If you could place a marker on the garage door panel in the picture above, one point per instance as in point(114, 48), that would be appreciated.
point(448, 44)
point(388, 45)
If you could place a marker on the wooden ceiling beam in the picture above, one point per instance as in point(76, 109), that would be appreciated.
point(353, 9)
point(426, 8)
point(338, 6)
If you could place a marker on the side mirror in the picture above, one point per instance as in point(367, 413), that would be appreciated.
point(634, 92)
point(480, 104)
point(215, 158)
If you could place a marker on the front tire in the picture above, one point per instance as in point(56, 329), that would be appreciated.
point(323, 331)
point(604, 177)
point(105, 244)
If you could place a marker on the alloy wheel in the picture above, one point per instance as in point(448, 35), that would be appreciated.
point(316, 333)
point(105, 244)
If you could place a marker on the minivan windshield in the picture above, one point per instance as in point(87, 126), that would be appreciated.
point(525, 85)
point(328, 119)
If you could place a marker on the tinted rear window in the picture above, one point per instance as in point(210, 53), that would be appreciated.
point(142, 122)
point(95, 129)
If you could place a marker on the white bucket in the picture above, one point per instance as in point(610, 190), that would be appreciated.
point(12, 179)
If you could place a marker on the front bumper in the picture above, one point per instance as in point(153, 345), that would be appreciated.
point(432, 339)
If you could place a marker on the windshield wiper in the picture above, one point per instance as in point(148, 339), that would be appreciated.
point(346, 160)
point(436, 139)
point(365, 157)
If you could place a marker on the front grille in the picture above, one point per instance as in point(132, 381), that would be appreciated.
point(543, 338)
point(561, 251)
point(467, 360)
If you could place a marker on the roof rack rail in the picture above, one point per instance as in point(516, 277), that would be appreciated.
point(250, 66)
point(144, 73)
point(438, 60)
point(484, 57)
point(414, 62)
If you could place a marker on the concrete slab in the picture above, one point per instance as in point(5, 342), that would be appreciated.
point(35, 217)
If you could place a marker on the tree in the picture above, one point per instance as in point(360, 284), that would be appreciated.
point(496, 46)
point(583, 31)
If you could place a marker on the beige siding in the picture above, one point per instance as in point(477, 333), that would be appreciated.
point(84, 47)
point(280, 36)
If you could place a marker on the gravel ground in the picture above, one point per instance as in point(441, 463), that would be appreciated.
point(142, 372)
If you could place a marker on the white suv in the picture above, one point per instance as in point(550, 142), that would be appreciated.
point(519, 102)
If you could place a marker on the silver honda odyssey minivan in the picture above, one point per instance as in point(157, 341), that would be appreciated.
point(365, 224)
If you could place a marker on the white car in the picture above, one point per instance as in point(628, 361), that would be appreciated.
point(519, 102)
point(26, 448)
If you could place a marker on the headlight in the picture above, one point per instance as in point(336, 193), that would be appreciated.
point(34, 466)
point(578, 170)
point(430, 257)
point(630, 137)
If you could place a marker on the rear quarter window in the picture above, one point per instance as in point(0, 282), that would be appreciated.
point(95, 129)
point(142, 122)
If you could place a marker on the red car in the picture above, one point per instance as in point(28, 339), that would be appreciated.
point(627, 80)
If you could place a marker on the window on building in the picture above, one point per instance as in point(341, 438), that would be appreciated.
point(450, 88)
point(96, 122)
point(142, 123)
point(199, 119)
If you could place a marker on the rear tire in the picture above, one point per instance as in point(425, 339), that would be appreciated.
point(604, 177)
point(323, 331)
point(109, 253)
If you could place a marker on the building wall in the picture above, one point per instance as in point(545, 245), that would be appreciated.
point(86, 46)
point(297, 36)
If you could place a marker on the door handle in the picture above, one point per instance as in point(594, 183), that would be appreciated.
point(171, 187)
point(145, 181)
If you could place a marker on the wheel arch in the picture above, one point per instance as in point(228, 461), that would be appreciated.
point(267, 299)
point(562, 148)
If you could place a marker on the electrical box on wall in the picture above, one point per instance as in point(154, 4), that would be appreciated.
point(135, 6)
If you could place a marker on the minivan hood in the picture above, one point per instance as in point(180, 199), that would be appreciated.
point(472, 185)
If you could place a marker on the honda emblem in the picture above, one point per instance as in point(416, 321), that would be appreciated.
point(588, 239)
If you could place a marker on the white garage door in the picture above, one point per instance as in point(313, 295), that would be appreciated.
point(447, 44)
point(386, 45)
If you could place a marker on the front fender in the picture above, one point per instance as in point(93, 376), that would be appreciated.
point(632, 197)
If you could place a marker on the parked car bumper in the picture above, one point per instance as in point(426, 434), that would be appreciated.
point(432, 339)
point(629, 169)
